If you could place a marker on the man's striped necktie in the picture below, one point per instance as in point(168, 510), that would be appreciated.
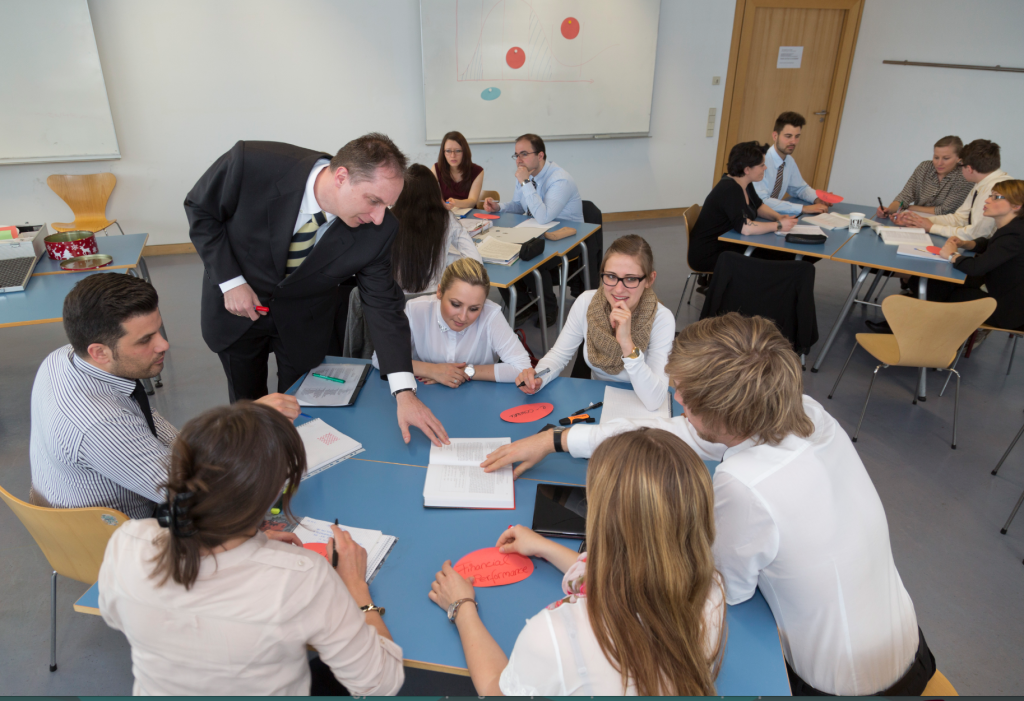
point(302, 242)
point(777, 190)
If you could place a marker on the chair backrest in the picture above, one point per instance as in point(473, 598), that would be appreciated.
point(73, 540)
point(87, 196)
point(930, 333)
point(493, 194)
point(938, 685)
point(591, 214)
point(689, 219)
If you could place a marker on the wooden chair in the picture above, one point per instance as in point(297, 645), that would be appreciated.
point(73, 541)
point(689, 219)
point(924, 335)
point(484, 194)
point(87, 196)
point(938, 685)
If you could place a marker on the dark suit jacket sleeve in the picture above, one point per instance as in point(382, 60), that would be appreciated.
point(991, 253)
point(384, 312)
point(212, 201)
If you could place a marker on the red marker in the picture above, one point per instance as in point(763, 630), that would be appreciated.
point(262, 309)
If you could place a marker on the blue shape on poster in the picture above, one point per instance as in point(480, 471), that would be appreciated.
point(491, 94)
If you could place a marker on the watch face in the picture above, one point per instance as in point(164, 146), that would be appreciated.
point(470, 370)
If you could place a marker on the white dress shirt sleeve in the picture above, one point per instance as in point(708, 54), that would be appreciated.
point(763, 188)
point(515, 206)
point(569, 339)
point(746, 536)
point(126, 452)
point(547, 208)
point(798, 188)
point(583, 439)
point(504, 342)
point(459, 239)
point(232, 284)
point(955, 224)
point(647, 372)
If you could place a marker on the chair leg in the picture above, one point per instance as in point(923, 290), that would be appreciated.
point(1012, 351)
point(1007, 453)
point(866, 399)
point(843, 370)
point(803, 361)
point(119, 227)
point(888, 276)
point(1012, 514)
point(692, 290)
point(874, 284)
point(956, 405)
point(147, 384)
point(955, 361)
point(53, 622)
point(683, 296)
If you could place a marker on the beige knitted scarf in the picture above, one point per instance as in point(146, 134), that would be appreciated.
point(603, 350)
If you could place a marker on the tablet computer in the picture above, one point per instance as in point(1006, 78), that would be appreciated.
point(560, 511)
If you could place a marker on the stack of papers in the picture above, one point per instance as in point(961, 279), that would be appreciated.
point(803, 229)
point(624, 404)
point(498, 252)
point(532, 223)
point(456, 480)
point(916, 252)
point(476, 226)
point(829, 220)
point(376, 544)
point(896, 235)
point(325, 446)
point(517, 235)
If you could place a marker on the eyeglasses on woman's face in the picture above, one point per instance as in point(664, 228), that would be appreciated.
point(630, 282)
point(995, 197)
point(453, 152)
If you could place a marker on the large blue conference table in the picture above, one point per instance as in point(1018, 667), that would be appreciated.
point(505, 276)
point(382, 488)
point(865, 252)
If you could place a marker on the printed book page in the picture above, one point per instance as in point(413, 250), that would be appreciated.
point(896, 235)
point(497, 250)
point(466, 451)
point(468, 486)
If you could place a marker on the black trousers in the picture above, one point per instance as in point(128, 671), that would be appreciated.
point(526, 289)
point(245, 362)
point(912, 683)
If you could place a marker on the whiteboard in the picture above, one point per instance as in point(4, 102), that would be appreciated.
point(495, 69)
point(53, 101)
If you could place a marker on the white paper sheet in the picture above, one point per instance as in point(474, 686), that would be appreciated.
point(624, 404)
point(532, 223)
point(376, 544)
point(325, 446)
point(517, 235)
point(317, 392)
point(895, 235)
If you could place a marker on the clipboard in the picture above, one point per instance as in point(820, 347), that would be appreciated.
point(318, 392)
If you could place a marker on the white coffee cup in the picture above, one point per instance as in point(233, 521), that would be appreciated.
point(856, 221)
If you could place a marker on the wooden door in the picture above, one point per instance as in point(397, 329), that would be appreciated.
point(758, 90)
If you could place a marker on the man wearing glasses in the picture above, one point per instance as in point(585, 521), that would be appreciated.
point(545, 192)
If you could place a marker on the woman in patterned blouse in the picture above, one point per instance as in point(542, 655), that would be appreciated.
point(937, 186)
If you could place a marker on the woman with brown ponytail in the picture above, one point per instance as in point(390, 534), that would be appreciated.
point(643, 612)
point(626, 333)
point(213, 606)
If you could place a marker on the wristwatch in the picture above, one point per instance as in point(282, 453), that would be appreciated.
point(635, 354)
point(404, 389)
point(454, 608)
point(557, 436)
point(778, 226)
point(371, 607)
point(470, 371)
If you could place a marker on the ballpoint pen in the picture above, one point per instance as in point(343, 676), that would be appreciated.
point(542, 373)
point(334, 557)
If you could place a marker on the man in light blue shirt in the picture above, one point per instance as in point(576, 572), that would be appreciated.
point(547, 193)
point(782, 175)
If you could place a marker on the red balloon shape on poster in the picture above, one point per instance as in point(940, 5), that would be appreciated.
point(515, 58)
point(570, 28)
point(491, 568)
point(525, 413)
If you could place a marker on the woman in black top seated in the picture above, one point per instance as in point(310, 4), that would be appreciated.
point(998, 263)
point(733, 205)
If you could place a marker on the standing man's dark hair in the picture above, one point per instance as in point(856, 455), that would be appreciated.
point(536, 143)
point(791, 118)
point(362, 157)
point(982, 155)
point(96, 307)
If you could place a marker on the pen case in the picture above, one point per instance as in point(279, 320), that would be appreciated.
point(806, 238)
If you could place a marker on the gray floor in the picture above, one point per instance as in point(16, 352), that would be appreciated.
point(944, 508)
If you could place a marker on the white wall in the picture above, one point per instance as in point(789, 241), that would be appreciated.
point(186, 79)
point(893, 114)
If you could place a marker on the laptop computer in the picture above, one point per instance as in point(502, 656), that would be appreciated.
point(18, 257)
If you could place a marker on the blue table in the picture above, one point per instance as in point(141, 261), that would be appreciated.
point(505, 276)
point(42, 301)
point(126, 251)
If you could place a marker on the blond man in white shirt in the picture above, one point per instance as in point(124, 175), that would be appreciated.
point(796, 513)
point(981, 164)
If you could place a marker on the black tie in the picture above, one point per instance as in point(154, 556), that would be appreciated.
point(970, 214)
point(139, 395)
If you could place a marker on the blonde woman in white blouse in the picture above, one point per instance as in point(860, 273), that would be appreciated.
point(626, 333)
point(213, 606)
point(459, 335)
point(644, 607)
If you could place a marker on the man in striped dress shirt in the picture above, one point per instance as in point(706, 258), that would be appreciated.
point(95, 440)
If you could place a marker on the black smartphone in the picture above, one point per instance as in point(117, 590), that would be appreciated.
point(560, 511)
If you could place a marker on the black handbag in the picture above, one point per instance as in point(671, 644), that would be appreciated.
point(806, 238)
point(532, 248)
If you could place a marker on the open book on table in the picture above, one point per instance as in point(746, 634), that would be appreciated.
point(456, 480)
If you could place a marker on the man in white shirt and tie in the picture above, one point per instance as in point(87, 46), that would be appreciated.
point(782, 175)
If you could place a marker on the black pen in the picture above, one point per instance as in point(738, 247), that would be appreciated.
point(334, 557)
point(542, 373)
point(587, 408)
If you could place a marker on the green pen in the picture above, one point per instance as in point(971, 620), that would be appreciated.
point(328, 377)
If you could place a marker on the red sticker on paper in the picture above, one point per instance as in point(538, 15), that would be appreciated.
point(481, 215)
point(319, 548)
point(828, 197)
point(934, 250)
point(525, 413)
point(491, 568)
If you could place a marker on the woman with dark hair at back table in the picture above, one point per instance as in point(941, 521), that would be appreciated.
point(211, 605)
point(734, 205)
point(427, 232)
point(460, 179)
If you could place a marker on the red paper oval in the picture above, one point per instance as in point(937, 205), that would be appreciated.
point(320, 548)
point(491, 568)
point(481, 215)
point(934, 250)
point(525, 413)
point(828, 197)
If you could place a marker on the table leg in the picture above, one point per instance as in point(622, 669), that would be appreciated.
point(853, 274)
point(839, 320)
point(799, 256)
point(145, 270)
point(563, 283)
point(586, 266)
point(513, 295)
point(749, 251)
point(874, 285)
point(922, 380)
point(541, 312)
point(147, 384)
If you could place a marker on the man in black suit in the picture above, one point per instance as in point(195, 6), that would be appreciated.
point(279, 229)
